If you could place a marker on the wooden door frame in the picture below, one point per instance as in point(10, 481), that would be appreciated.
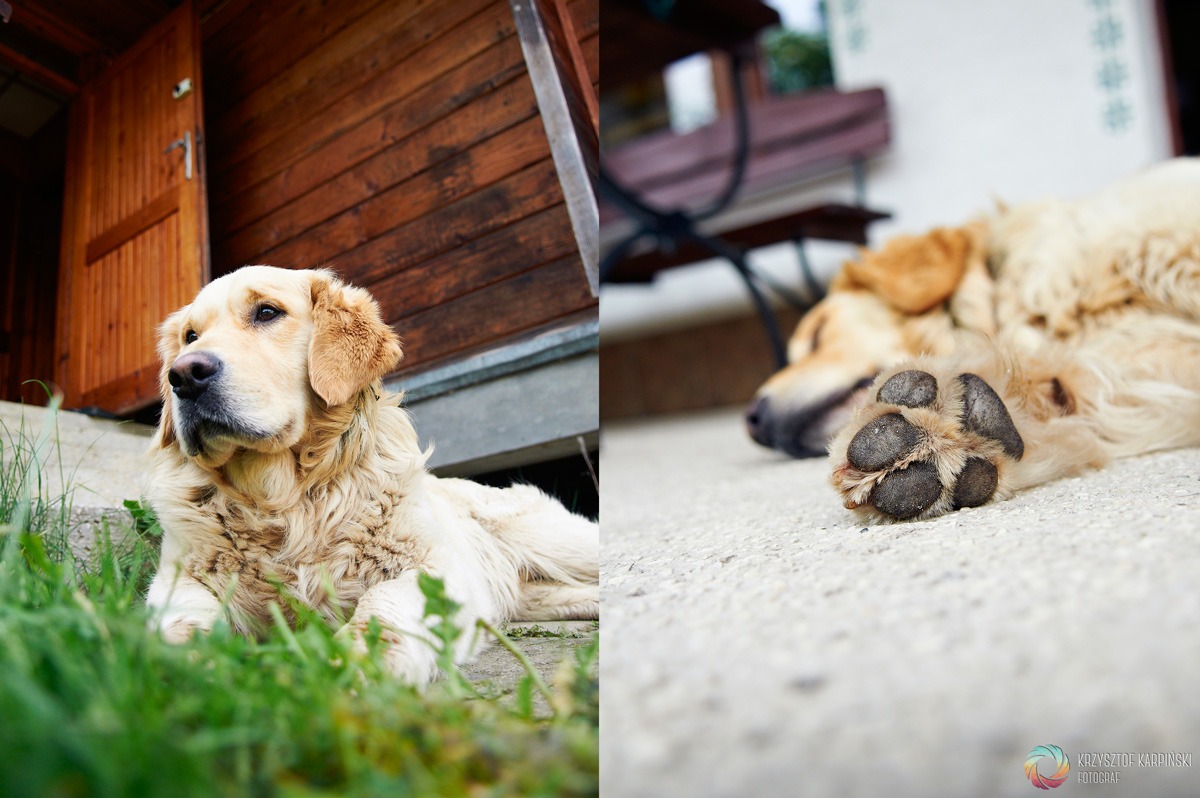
point(1166, 64)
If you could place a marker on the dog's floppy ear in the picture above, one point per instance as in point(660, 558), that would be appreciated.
point(917, 273)
point(168, 349)
point(351, 345)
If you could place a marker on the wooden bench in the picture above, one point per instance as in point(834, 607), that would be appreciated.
point(829, 222)
point(675, 187)
point(790, 140)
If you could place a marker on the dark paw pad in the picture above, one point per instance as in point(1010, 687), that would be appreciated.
point(907, 492)
point(984, 413)
point(976, 483)
point(909, 388)
point(882, 442)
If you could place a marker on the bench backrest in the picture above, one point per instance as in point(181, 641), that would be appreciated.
point(791, 138)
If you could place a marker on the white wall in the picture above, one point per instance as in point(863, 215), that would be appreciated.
point(989, 99)
point(1002, 98)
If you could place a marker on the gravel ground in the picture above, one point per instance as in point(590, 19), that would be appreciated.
point(761, 642)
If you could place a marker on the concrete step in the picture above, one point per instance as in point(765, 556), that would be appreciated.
point(94, 463)
point(550, 647)
point(546, 643)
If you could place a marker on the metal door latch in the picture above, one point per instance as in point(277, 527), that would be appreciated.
point(186, 143)
point(182, 89)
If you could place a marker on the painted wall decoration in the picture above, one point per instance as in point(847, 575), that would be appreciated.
point(854, 25)
point(1112, 72)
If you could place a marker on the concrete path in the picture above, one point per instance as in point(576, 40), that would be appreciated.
point(760, 642)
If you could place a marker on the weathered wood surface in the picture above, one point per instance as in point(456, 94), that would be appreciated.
point(397, 141)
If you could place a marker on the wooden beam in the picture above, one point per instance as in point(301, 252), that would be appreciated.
point(126, 394)
point(637, 43)
point(581, 80)
point(128, 228)
point(566, 142)
point(58, 30)
point(34, 69)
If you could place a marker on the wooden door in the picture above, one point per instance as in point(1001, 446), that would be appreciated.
point(135, 239)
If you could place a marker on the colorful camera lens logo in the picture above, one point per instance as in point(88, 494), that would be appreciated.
point(1061, 762)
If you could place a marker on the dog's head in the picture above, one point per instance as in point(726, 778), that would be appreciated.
point(903, 300)
point(258, 352)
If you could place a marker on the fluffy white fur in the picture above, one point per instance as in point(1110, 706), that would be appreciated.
point(1083, 315)
point(291, 473)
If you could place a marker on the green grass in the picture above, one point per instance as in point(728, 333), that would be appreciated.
point(91, 704)
point(525, 632)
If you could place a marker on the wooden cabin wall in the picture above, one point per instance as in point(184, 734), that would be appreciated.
point(30, 219)
point(398, 142)
point(586, 16)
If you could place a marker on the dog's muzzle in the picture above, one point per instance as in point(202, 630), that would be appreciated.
point(203, 405)
point(800, 432)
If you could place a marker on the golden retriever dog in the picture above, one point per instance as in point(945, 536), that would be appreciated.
point(279, 467)
point(954, 368)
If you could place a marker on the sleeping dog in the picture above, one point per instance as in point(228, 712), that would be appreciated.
point(954, 368)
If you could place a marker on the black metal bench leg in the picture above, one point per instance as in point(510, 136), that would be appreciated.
point(815, 292)
point(678, 225)
point(736, 257)
point(617, 253)
point(765, 314)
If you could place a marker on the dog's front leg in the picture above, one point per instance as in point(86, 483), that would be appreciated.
point(180, 606)
point(411, 648)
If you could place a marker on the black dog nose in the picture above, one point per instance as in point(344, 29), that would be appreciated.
point(193, 373)
point(758, 421)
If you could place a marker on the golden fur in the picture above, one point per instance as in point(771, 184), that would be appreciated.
point(1082, 315)
point(291, 473)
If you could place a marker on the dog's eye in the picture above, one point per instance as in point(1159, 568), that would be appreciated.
point(190, 337)
point(267, 313)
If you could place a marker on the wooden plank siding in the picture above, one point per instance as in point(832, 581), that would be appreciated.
point(399, 142)
point(586, 16)
point(564, 41)
point(29, 229)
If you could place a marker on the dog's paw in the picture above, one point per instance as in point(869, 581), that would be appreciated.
point(181, 628)
point(929, 444)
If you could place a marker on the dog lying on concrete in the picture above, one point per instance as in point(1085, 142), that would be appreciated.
point(955, 368)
